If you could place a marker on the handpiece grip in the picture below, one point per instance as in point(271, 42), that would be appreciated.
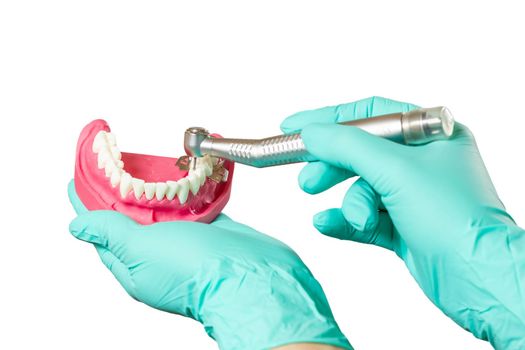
point(415, 127)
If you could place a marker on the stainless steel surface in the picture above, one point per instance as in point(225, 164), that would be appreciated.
point(276, 150)
point(192, 140)
point(412, 128)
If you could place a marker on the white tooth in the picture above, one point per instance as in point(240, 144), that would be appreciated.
point(115, 152)
point(110, 167)
point(201, 176)
point(149, 190)
point(225, 176)
point(161, 190)
point(115, 177)
point(125, 184)
point(138, 187)
point(120, 164)
point(112, 140)
point(173, 187)
point(195, 182)
point(208, 169)
point(205, 164)
point(99, 141)
point(209, 160)
point(184, 187)
point(103, 157)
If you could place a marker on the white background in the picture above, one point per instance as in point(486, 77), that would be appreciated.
point(153, 68)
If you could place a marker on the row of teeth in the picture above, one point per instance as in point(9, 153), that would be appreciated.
point(109, 159)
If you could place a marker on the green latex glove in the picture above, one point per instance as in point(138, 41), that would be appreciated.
point(250, 291)
point(434, 205)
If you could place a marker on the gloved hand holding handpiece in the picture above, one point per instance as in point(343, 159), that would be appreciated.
point(434, 205)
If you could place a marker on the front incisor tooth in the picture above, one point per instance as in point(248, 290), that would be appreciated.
point(138, 187)
point(125, 184)
point(172, 190)
point(149, 190)
point(161, 190)
point(184, 187)
point(115, 177)
point(194, 181)
point(99, 141)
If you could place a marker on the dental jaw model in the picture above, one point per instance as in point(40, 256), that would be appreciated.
point(148, 188)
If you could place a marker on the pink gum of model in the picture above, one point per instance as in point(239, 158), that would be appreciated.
point(96, 192)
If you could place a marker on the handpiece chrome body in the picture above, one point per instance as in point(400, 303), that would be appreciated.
point(415, 127)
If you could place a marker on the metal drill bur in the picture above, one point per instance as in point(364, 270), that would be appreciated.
point(415, 127)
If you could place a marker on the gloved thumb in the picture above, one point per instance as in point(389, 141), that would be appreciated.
point(77, 204)
point(109, 229)
point(351, 148)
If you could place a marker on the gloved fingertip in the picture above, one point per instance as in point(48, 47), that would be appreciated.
point(324, 223)
point(319, 219)
point(287, 126)
point(97, 225)
point(307, 184)
point(79, 229)
point(286, 129)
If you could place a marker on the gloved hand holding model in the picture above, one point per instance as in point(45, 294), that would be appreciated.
point(434, 205)
point(250, 291)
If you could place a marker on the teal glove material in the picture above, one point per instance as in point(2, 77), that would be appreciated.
point(434, 205)
point(250, 291)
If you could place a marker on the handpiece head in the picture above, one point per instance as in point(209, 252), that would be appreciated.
point(192, 140)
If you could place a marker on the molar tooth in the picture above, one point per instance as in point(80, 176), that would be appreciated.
point(138, 187)
point(225, 176)
point(115, 177)
point(161, 190)
point(209, 160)
point(115, 152)
point(195, 182)
point(204, 163)
point(99, 141)
point(173, 187)
point(112, 140)
point(208, 169)
point(149, 190)
point(184, 187)
point(125, 184)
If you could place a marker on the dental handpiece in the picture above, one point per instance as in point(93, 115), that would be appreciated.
point(415, 127)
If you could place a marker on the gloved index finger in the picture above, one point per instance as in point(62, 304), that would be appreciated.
point(368, 107)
